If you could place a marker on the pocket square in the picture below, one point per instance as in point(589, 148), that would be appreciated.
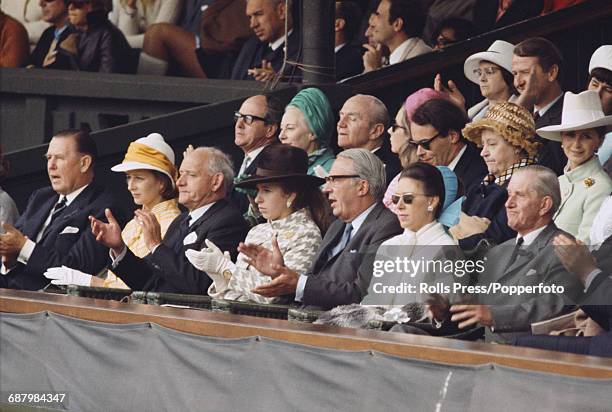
point(190, 238)
point(68, 230)
point(353, 251)
point(531, 272)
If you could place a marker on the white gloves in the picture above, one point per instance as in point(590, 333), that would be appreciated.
point(214, 262)
point(67, 276)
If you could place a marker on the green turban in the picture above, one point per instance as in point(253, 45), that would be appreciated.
point(317, 111)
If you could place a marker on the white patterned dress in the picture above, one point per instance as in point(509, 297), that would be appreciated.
point(298, 238)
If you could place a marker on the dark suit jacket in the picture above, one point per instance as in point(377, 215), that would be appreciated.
point(167, 268)
point(254, 51)
point(550, 154)
point(67, 241)
point(485, 13)
point(345, 277)
point(349, 61)
point(600, 345)
point(597, 301)
point(392, 163)
point(239, 198)
point(535, 264)
point(471, 169)
point(42, 48)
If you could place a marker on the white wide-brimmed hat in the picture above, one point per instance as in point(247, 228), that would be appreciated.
point(601, 58)
point(150, 153)
point(500, 53)
point(580, 111)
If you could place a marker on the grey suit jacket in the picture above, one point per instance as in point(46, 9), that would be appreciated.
point(535, 264)
point(344, 278)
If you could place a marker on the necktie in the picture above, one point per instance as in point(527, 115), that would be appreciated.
point(515, 252)
point(536, 116)
point(344, 240)
point(58, 209)
point(182, 233)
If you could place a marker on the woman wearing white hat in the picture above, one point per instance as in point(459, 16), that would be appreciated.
point(491, 70)
point(151, 176)
point(584, 184)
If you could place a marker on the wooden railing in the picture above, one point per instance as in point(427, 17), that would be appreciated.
point(234, 326)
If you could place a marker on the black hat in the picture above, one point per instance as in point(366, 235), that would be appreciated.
point(281, 162)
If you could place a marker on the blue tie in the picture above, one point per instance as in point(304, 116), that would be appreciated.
point(344, 240)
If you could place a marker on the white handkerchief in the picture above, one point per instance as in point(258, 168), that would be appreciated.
point(70, 230)
point(531, 272)
point(190, 238)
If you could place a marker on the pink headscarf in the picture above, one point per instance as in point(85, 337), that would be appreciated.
point(416, 99)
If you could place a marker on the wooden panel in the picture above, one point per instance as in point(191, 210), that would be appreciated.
point(234, 326)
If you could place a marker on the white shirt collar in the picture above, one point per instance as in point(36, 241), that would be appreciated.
point(397, 53)
point(71, 196)
point(544, 109)
point(453, 164)
point(248, 159)
point(198, 213)
point(279, 42)
point(337, 48)
point(531, 236)
point(358, 221)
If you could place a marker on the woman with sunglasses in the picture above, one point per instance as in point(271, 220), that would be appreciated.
point(506, 135)
point(308, 123)
point(100, 46)
point(296, 213)
point(491, 70)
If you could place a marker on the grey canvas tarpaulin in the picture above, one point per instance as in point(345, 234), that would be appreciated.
point(145, 367)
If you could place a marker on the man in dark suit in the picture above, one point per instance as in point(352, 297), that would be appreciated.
point(349, 60)
point(205, 178)
point(436, 132)
point(342, 268)
point(536, 65)
point(54, 230)
point(262, 56)
point(363, 123)
point(529, 260)
point(45, 54)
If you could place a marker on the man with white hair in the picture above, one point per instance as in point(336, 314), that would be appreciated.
point(363, 122)
point(205, 179)
point(342, 269)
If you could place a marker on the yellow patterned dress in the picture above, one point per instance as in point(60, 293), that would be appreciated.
point(165, 212)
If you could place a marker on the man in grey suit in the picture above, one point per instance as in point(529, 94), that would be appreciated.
point(342, 269)
point(528, 260)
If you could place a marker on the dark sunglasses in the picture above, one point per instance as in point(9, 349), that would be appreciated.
point(407, 198)
point(248, 118)
point(425, 144)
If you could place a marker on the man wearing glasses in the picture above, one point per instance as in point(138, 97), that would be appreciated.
point(342, 269)
point(257, 126)
point(436, 136)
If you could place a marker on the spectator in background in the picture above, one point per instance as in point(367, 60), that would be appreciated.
point(398, 24)
point(261, 58)
point(435, 131)
point(204, 43)
point(133, 17)
point(600, 80)
point(28, 13)
point(101, 47)
point(348, 55)
point(60, 35)
point(584, 184)
point(308, 124)
point(441, 10)
point(493, 14)
point(451, 31)
point(537, 68)
point(14, 46)
point(362, 125)
point(8, 209)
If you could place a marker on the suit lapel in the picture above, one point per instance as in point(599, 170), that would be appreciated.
point(74, 207)
point(40, 216)
point(527, 254)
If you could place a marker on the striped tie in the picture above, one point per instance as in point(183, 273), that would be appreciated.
point(58, 209)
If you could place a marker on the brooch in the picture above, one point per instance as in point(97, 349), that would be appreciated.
point(589, 181)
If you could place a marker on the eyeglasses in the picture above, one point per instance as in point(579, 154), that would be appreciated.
point(425, 144)
point(396, 126)
point(248, 118)
point(333, 179)
point(407, 198)
point(488, 71)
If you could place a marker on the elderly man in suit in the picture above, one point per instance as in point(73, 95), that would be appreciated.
point(362, 124)
point(53, 230)
point(536, 66)
point(436, 133)
point(397, 24)
point(205, 178)
point(342, 268)
point(528, 260)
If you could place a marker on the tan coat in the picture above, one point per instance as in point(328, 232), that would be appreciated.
point(14, 46)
